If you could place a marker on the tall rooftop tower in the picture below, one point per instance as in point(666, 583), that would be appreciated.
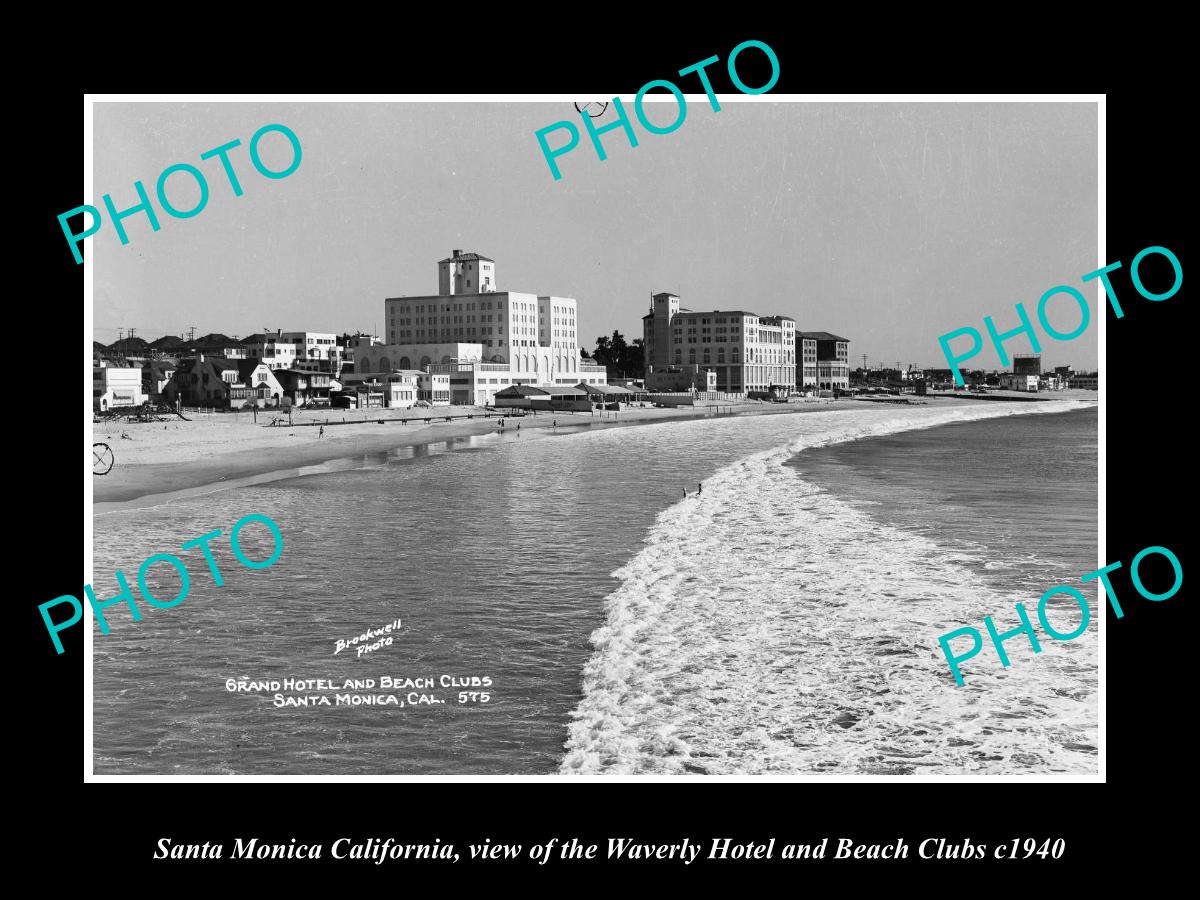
point(466, 273)
point(656, 328)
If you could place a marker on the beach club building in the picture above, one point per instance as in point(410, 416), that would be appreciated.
point(550, 397)
point(398, 390)
point(483, 338)
point(1010, 381)
point(832, 360)
point(746, 351)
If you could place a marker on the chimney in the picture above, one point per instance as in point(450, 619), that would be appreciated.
point(456, 253)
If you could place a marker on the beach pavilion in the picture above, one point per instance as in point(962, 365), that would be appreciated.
point(608, 393)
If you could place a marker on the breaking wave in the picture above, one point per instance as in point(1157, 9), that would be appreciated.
point(769, 627)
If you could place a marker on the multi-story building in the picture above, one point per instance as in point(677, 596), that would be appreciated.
point(1086, 382)
point(748, 352)
point(806, 363)
point(832, 359)
point(315, 351)
point(303, 387)
point(350, 347)
point(274, 350)
point(485, 339)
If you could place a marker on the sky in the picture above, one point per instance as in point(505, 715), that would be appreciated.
point(888, 224)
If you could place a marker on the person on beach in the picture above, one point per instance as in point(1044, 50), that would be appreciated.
point(321, 432)
point(699, 489)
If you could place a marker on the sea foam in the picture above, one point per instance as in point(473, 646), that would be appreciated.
point(769, 627)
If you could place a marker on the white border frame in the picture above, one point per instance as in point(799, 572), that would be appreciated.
point(89, 100)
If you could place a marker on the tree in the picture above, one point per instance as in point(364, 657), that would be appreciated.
point(618, 347)
point(620, 358)
point(603, 351)
point(616, 355)
point(636, 362)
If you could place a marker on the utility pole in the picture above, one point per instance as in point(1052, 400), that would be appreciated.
point(192, 333)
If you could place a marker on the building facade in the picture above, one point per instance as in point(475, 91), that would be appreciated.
point(315, 351)
point(116, 386)
point(222, 383)
point(274, 351)
point(399, 390)
point(352, 343)
point(746, 351)
point(483, 338)
point(1010, 381)
point(832, 359)
point(806, 364)
point(304, 388)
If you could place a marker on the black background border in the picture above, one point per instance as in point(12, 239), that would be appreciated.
point(1146, 441)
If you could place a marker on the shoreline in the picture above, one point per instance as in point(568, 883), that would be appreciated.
point(183, 466)
point(223, 450)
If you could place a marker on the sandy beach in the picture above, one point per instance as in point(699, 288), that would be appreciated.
point(161, 457)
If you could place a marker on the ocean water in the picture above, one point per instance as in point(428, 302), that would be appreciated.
point(784, 621)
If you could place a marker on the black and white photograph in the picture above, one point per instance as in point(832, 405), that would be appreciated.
point(527, 437)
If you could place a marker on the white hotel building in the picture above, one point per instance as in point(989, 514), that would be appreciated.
point(484, 338)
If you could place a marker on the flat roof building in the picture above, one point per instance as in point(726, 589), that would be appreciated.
point(748, 352)
point(828, 356)
point(485, 338)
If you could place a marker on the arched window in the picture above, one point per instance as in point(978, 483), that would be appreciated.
point(385, 364)
point(546, 364)
point(405, 362)
point(691, 356)
point(733, 355)
point(426, 362)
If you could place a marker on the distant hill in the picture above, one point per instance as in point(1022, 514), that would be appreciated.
point(167, 342)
